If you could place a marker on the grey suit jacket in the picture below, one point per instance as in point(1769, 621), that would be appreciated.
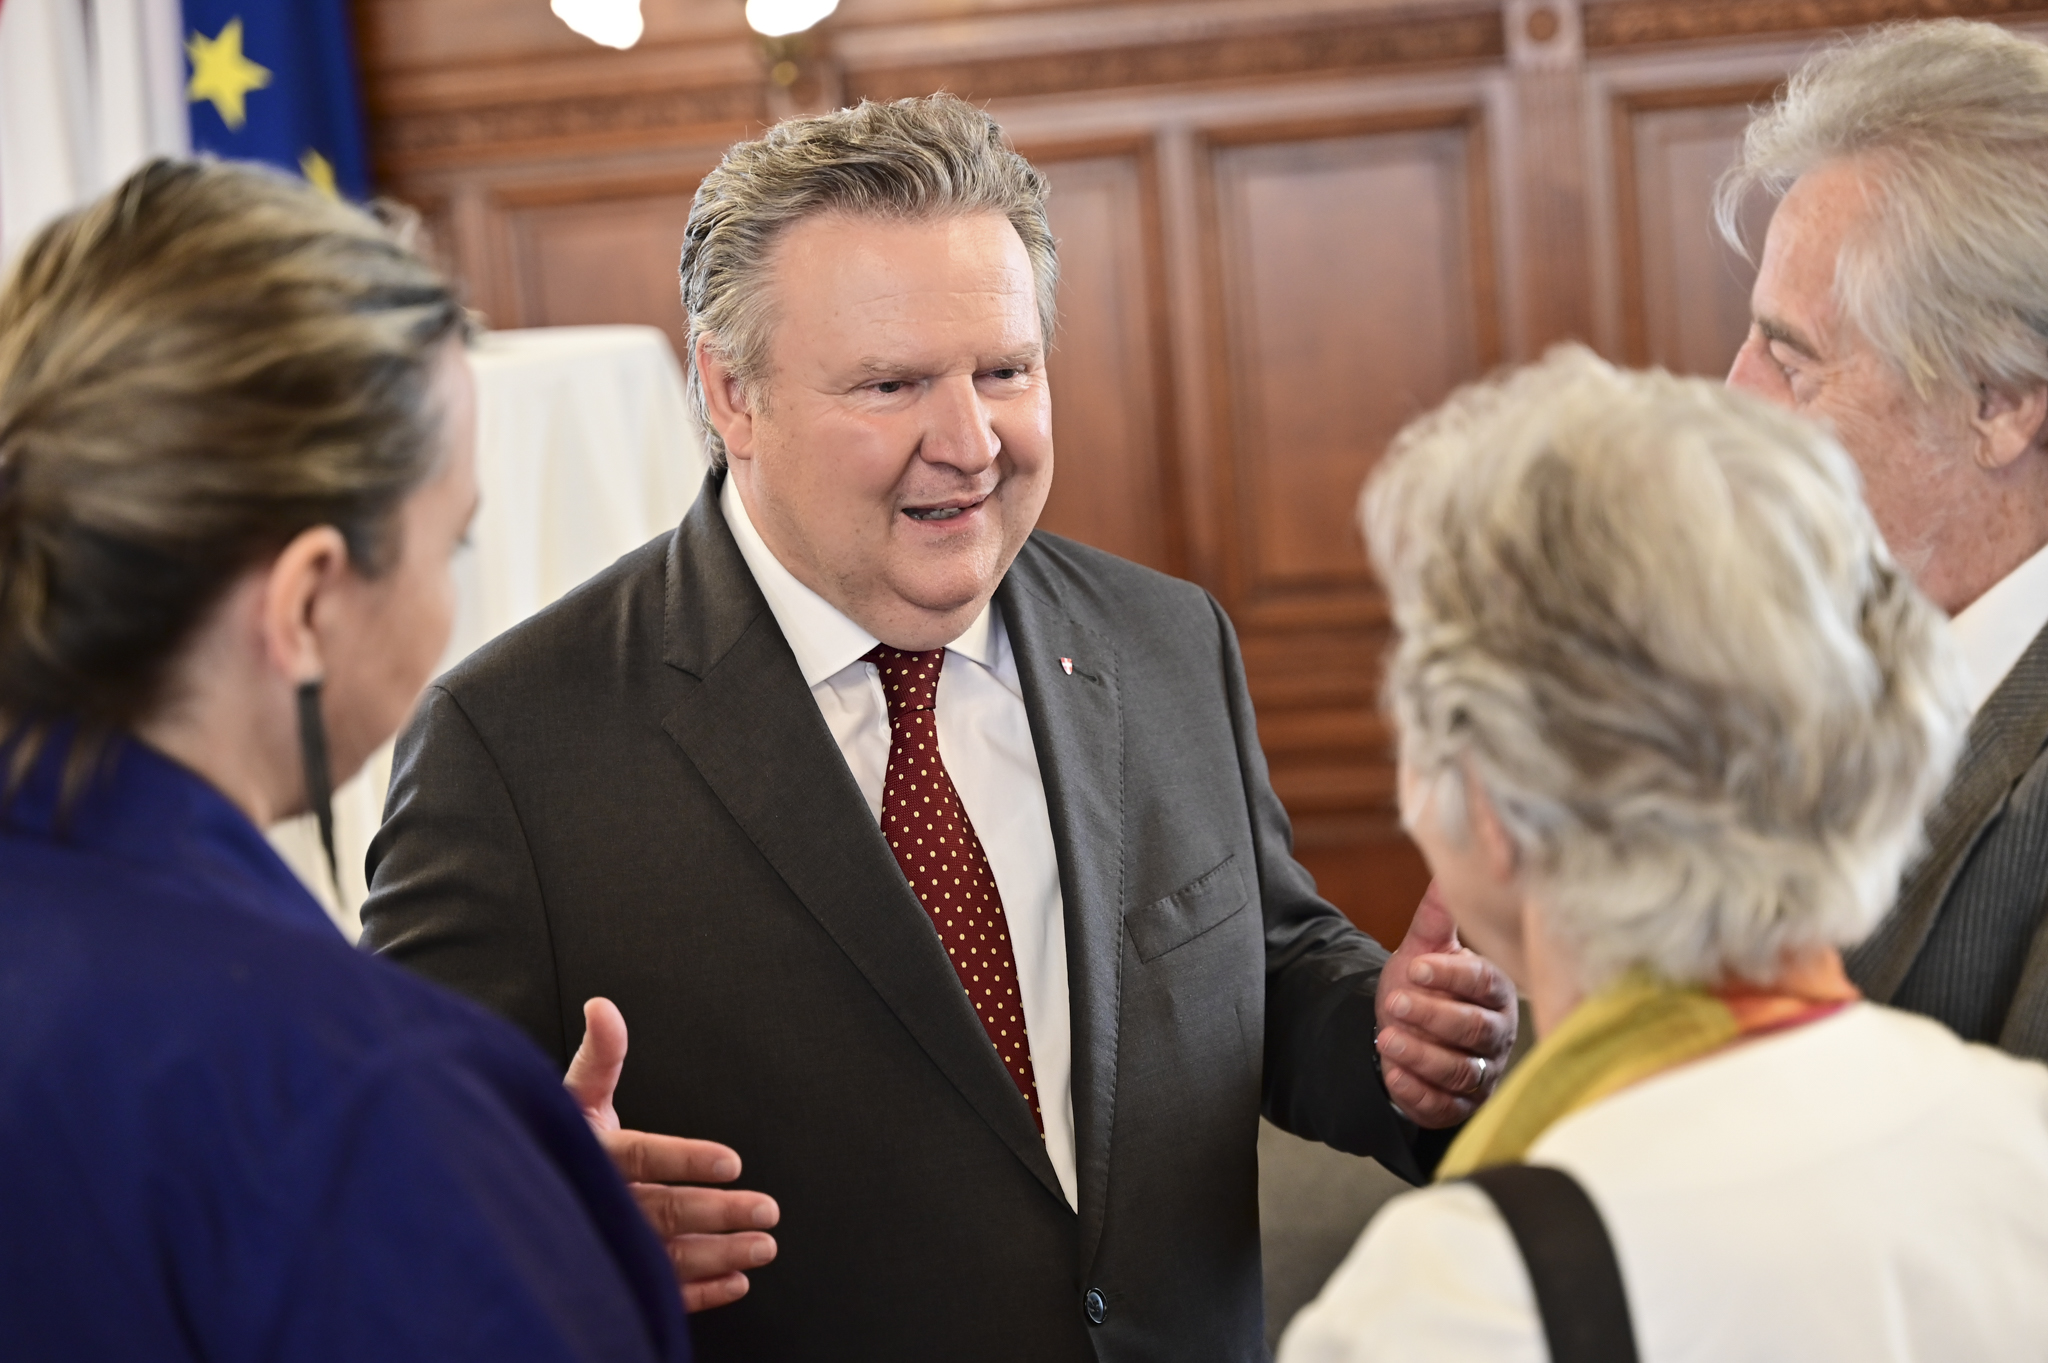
point(634, 794)
point(1967, 942)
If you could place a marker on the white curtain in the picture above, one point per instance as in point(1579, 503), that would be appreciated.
point(89, 89)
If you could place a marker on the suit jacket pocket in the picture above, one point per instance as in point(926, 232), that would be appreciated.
point(1190, 911)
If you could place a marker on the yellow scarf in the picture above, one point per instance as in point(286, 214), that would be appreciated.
point(1629, 1031)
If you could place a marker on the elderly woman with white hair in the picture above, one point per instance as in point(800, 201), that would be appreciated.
point(1670, 717)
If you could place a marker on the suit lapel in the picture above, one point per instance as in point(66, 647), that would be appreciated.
point(1077, 728)
point(2003, 741)
point(752, 729)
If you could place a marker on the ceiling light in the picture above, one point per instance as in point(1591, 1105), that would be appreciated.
point(779, 18)
point(615, 23)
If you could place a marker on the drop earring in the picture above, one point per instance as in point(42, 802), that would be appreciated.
point(319, 785)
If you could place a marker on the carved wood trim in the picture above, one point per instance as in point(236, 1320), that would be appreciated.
point(1446, 39)
point(413, 141)
point(1632, 23)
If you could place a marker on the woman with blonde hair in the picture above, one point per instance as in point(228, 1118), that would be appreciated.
point(236, 428)
point(1669, 720)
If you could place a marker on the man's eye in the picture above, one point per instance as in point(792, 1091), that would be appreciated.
point(1005, 374)
point(890, 386)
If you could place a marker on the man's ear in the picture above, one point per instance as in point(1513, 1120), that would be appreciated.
point(297, 591)
point(2007, 425)
point(725, 399)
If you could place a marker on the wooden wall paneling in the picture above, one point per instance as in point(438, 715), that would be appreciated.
point(1546, 173)
point(981, 53)
point(1641, 23)
point(1116, 485)
point(582, 254)
point(1352, 266)
point(1184, 126)
point(1685, 291)
point(1667, 290)
point(1353, 263)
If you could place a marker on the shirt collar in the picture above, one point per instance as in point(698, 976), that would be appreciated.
point(1995, 629)
point(824, 641)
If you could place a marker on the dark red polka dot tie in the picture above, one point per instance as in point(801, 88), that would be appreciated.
point(941, 857)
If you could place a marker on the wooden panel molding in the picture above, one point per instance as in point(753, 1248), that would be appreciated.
point(427, 138)
point(1684, 292)
point(1353, 267)
point(1630, 23)
point(1380, 42)
point(1117, 486)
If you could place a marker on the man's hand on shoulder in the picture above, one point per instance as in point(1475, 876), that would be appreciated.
point(713, 1235)
point(1446, 1021)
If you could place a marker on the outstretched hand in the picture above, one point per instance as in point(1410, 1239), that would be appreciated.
point(713, 1235)
point(1447, 1021)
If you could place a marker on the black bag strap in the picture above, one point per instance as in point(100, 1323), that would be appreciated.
point(1571, 1262)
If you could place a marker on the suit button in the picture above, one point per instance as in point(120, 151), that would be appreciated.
point(1095, 1306)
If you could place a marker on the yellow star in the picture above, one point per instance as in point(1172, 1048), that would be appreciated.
point(222, 74)
point(319, 173)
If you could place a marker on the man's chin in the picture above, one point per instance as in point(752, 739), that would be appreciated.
point(923, 614)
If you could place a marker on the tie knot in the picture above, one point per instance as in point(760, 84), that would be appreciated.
point(910, 681)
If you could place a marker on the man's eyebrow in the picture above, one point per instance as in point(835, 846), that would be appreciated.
point(875, 367)
point(1774, 330)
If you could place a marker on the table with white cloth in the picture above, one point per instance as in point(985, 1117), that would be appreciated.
point(585, 450)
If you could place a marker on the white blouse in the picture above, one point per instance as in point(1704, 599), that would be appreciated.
point(1864, 1188)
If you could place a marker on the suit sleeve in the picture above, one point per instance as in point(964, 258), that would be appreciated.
point(453, 891)
point(1322, 975)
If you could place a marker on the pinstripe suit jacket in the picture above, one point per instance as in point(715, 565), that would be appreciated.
point(1967, 942)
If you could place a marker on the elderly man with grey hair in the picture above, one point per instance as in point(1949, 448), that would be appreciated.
point(1670, 717)
point(1903, 300)
point(933, 859)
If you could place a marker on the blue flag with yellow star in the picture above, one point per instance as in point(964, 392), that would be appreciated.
point(275, 81)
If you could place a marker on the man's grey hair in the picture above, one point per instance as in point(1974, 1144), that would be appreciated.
point(1947, 276)
point(911, 159)
point(1653, 622)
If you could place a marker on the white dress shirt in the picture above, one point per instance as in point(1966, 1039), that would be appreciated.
point(985, 742)
point(1863, 1188)
point(1996, 628)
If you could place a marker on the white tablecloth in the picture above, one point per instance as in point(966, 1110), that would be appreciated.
point(585, 450)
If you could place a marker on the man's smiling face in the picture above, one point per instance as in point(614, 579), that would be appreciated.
point(898, 450)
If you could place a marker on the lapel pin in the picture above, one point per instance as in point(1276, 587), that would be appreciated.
point(1067, 666)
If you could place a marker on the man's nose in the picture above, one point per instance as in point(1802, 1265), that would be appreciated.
point(1750, 372)
point(958, 431)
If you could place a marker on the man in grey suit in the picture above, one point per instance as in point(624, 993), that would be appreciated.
point(1903, 298)
point(933, 860)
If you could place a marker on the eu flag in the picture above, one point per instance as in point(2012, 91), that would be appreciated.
point(275, 80)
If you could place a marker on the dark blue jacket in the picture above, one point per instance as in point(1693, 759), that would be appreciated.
point(225, 1135)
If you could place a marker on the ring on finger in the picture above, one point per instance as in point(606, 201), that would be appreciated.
point(1479, 1078)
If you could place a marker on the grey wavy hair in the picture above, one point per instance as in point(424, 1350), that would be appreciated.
point(1947, 276)
point(908, 158)
point(1653, 621)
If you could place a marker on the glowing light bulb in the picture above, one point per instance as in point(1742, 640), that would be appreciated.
point(615, 23)
point(779, 18)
